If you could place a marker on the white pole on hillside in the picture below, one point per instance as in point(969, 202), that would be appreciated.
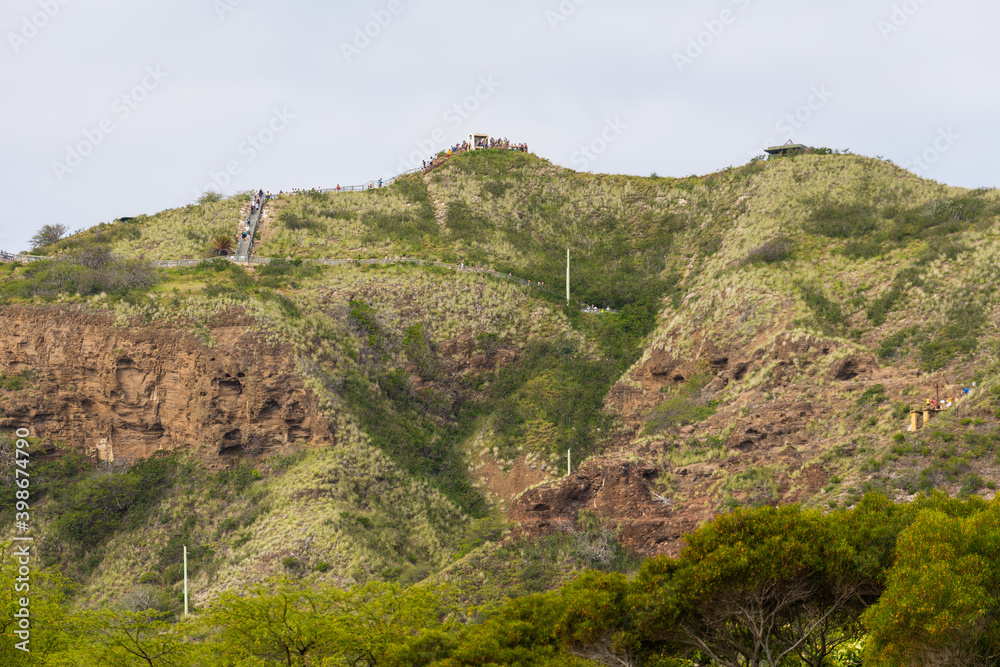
point(569, 462)
point(567, 276)
point(185, 580)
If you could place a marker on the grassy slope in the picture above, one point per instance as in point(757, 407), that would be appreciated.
point(393, 500)
point(182, 233)
point(845, 228)
point(875, 261)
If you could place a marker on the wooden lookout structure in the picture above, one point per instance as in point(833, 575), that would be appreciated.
point(478, 140)
point(785, 149)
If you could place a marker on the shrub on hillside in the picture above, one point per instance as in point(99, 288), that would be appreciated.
point(771, 252)
point(295, 221)
point(48, 235)
point(862, 248)
point(90, 271)
point(844, 221)
point(687, 406)
point(828, 314)
point(419, 349)
point(95, 503)
point(209, 197)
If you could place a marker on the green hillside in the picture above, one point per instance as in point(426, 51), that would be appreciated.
point(773, 325)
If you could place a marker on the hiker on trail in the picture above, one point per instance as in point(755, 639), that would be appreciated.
point(338, 187)
point(380, 182)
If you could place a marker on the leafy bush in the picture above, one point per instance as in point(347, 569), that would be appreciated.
point(872, 396)
point(419, 349)
point(686, 407)
point(863, 248)
point(959, 335)
point(95, 503)
point(48, 235)
point(209, 197)
point(551, 401)
point(295, 221)
point(87, 272)
point(837, 220)
point(771, 252)
point(828, 314)
point(364, 316)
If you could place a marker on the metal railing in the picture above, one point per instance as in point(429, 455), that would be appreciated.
point(23, 259)
point(243, 250)
point(372, 185)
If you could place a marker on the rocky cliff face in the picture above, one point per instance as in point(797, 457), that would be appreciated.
point(127, 392)
point(656, 487)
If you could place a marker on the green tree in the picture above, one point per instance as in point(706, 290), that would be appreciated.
point(46, 592)
point(209, 197)
point(755, 587)
point(595, 620)
point(521, 632)
point(285, 623)
point(126, 639)
point(48, 235)
point(942, 603)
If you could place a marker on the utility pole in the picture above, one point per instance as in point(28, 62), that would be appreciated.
point(185, 580)
point(569, 462)
point(567, 276)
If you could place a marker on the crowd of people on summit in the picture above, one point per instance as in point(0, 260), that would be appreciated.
point(502, 144)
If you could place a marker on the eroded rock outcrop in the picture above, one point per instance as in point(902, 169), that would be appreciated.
point(116, 392)
point(616, 491)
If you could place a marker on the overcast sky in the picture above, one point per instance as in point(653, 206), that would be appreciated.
point(113, 108)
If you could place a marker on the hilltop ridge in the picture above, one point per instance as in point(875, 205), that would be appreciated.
point(775, 323)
